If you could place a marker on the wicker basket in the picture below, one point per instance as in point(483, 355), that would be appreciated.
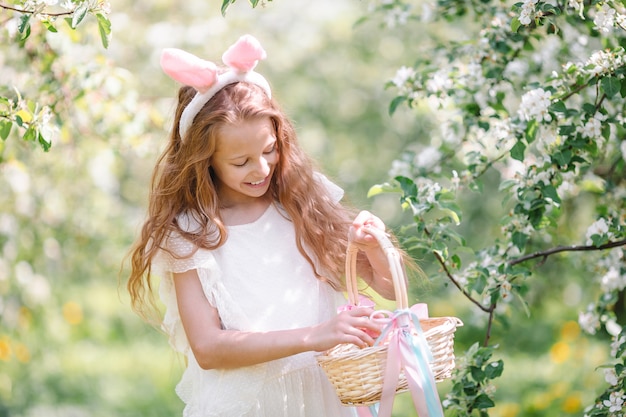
point(357, 374)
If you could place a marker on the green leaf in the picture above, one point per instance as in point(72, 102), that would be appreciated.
point(589, 109)
point(515, 25)
point(517, 151)
point(550, 191)
point(25, 33)
point(5, 128)
point(24, 23)
point(395, 103)
point(104, 26)
point(79, 14)
point(519, 240)
point(477, 374)
point(456, 261)
point(483, 401)
point(494, 369)
point(382, 189)
point(452, 210)
point(479, 285)
point(563, 158)
point(225, 5)
point(43, 142)
point(531, 131)
point(48, 25)
point(30, 135)
point(523, 302)
point(558, 107)
point(567, 130)
point(408, 186)
point(611, 86)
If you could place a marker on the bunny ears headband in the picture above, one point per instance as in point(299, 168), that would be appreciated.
point(203, 76)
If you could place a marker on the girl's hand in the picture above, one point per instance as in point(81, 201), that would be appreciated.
point(358, 234)
point(352, 326)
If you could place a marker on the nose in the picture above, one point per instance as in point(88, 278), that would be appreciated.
point(263, 166)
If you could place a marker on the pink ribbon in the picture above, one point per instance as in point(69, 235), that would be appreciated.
point(409, 352)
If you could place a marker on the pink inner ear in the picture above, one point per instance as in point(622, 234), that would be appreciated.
point(188, 69)
point(244, 54)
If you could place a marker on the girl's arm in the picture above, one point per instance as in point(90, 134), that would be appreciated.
point(375, 272)
point(214, 347)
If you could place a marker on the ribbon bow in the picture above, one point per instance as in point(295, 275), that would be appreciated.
point(407, 349)
point(204, 76)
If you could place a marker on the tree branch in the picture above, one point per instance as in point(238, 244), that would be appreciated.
point(573, 248)
point(14, 9)
point(456, 283)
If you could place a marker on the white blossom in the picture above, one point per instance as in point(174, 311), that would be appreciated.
point(396, 16)
point(589, 322)
point(68, 5)
point(535, 105)
point(455, 180)
point(579, 5)
point(603, 62)
point(622, 148)
point(516, 67)
point(528, 12)
point(605, 19)
point(403, 75)
point(428, 189)
point(473, 75)
point(616, 343)
point(440, 81)
point(613, 280)
point(400, 168)
point(546, 138)
point(593, 128)
point(610, 376)
point(615, 401)
point(427, 158)
point(599, 227)
point(612, 327)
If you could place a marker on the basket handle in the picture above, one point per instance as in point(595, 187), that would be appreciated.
point(394, 260)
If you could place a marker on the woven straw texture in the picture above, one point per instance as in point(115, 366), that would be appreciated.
point(357, 374)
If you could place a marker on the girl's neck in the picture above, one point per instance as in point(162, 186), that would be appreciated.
point(244, 213)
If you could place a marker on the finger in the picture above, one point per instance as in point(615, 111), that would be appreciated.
point(359, 338)
point(361, 218)
point(361, 312)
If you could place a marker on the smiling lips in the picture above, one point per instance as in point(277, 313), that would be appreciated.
point(258, 182)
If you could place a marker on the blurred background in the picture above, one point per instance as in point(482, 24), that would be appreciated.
point(69, 344)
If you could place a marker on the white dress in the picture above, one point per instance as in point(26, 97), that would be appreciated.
point(258, 281)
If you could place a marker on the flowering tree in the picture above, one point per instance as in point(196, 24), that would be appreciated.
point(36, 107)
point(535, 94)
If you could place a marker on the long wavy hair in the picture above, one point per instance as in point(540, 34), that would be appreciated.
point(183, 182)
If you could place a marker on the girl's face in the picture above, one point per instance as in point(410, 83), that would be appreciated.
point(244, 160)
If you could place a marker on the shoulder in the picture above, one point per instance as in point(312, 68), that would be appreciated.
point(179, 253)
point(335, 192)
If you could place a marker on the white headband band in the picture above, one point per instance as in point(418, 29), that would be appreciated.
point(203, 75)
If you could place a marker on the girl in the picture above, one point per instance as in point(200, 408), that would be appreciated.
point(249, 244)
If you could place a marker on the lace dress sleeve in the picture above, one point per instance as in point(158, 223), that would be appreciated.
point(336, 193)
point(181, 256)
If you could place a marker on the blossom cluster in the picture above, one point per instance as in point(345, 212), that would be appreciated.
point(534, 105)
point(527, 12)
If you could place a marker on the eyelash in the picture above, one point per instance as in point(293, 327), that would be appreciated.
point(265, 153)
